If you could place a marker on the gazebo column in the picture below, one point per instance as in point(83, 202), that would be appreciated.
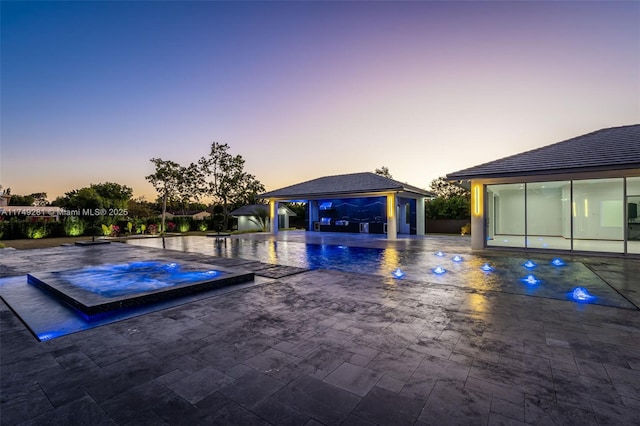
point(420, 218)
point(392, 227)
point(314, 215)
point(273, 216)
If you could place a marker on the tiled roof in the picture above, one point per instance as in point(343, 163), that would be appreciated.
point(615, 148)
point(330, 186)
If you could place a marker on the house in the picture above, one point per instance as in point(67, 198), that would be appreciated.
point(189, 215)
point(578, 195)
point(249, 220)
point(356, 203)
point(30, 212)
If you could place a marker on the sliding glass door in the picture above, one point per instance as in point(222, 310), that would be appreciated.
point(581, 215)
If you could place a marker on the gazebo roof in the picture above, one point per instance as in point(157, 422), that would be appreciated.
point(353, 184)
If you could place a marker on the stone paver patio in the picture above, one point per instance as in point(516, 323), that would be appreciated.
point(326, 347)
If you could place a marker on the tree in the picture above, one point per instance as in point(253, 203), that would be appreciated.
point(35, 199)
point(21, 200)
point(191, 185)
point(229, 184)
point(115, 196)
point(139, 208)
point(446, 189)
point(452, 202)
point(85, 200)
point(166, 181)
point(384, 171)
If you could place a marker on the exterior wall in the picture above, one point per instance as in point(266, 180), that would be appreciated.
point(244, 224)
point(582, 212)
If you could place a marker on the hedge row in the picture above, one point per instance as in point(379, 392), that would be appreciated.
point(16, 228)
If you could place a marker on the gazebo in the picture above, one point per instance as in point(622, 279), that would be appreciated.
point(356, 203)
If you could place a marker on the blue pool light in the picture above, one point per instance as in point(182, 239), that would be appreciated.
point(580, 294)
point(398, 273)
point(486, 267)
point(558, 262)
point(457, 258)
point(438, 270)
point(529, 264)
point(440, 254)
point(530, 280)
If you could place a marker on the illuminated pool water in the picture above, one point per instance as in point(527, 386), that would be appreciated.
point(483, 273)
point(133, 278)
point(96, 290)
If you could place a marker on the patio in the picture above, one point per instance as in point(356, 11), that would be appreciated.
point(326, 347)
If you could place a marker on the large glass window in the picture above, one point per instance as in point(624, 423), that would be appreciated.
point(598, 215)
point(549, 215)
point(633, 215)
point(505, 223)
point(583, 215)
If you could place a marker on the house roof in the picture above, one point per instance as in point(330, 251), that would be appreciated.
point(615, 148)
point(340, 185)
point(250, 210)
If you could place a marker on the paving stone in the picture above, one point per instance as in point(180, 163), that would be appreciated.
point(384, 407)
point(496, 419)
point(280, 414)
point(83, 411)
point(321, 401)
point(400, 367)
point(354, 379)
point(625, 380)
point(136, 405)
point(197, 386)
point(507, 409)
point(29, 405)
point(461, 354)
point(390, 383)
point(544, 411)
point(233, 415)
point(450, 403)
point(251, 388)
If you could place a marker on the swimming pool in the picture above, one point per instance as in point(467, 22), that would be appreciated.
point(507, 274)
point(101, 289)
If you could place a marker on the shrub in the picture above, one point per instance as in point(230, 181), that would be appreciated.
point(183, 226)
point(93, 231)
point(36, 230)
point(466, 229)
point(74, 227)
point(456, 207)
point(13, 229)
point(202, 226)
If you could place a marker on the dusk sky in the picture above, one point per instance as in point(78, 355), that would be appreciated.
point(90, 91)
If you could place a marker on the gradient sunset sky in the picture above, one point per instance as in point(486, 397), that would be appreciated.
point(90, 91)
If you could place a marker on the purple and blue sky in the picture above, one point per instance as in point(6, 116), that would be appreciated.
point(90, 91)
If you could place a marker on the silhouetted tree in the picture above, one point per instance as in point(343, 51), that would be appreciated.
point(228, 183)
point(384, 171)
point(166, 181)
point(447, 189)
